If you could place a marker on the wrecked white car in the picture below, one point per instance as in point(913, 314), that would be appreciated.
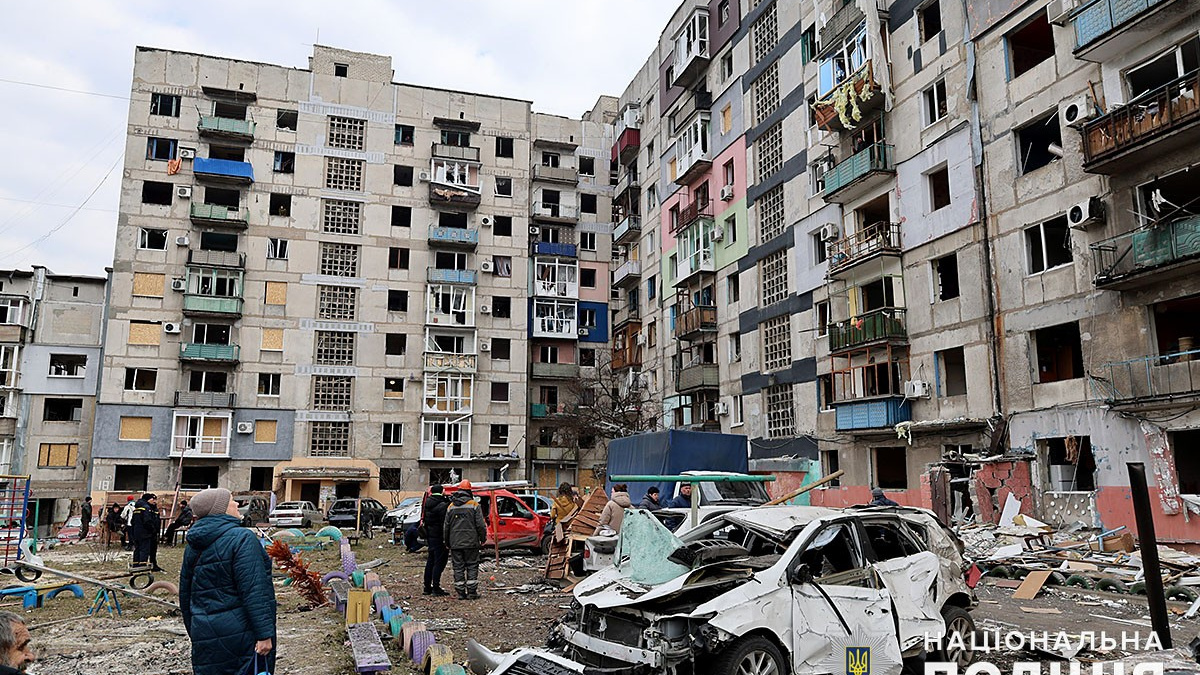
point(771, 590)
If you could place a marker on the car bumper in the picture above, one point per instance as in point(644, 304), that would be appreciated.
point(613, 650)
point(287, 521)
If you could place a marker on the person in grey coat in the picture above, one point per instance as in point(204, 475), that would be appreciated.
point(465, 533)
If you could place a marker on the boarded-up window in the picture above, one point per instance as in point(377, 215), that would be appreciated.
point(264, 431)
point(144, 333)
point(272, 339)
point(214, 427)
point(58, 454)
point(135, 428)
point(150, 285)
point(276, 293)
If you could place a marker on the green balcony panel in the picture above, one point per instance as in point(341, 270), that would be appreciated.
point(225, 126)
point(203, 352)
point(210, 304)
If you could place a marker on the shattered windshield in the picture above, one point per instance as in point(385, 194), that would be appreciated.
point(739, 492)
point(758, 543)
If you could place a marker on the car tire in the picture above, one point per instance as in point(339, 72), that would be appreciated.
point(958, 620)
point(544, 547)
point(753, 655)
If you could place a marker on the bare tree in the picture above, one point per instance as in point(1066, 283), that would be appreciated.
point(612, 403)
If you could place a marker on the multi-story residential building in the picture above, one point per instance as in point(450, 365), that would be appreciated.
point(51, 327)
point(321, 276)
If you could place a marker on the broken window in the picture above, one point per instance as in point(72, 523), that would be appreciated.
point(405, 134)
point(461, 139)
point(500, 392)
point(286, 119)
point(397, 300)
point(501, 348)
point(281, 205)
point(395, 344)
point(587, 203)
point(890, 540)
point(945, 273)
point(1070, 465)
point(891, 468)
point(504, 186)
point(397, 258)
point(231, 153)
point(939, 189)
point(502, 307)
point(332, 392)
point(781, 412)
point(218, 241)
point(339, 260)
point(1167, 67)
point(951, 372)
point(1039, 143)
point(833, 557)
point(504, 146)
point(1187, 460)
point(1059, 352)
point(208, 380)
point(166, 105)
point(161, 149)
point(62, 410)
point(551, 159)
point(277, 249)
point(154, 192)
point(502, 226)
point(1168, 197)
point(130, 477)
point(393, 387)
point(68, 365)
point(587, 357)
point(402, 175)
point(341, 217)
point(830, 465)
point(929, 20)
point(341, 70)
point(334, 348)
point(1029, 45)
point(587, 278)
point(502, 264)
point(140, 379)
point(337, 303)
point(222, 197)
point(285, 162)
point(1176, 328)
point(935, 102)
point(229, 111)
point(152, 239)
point(401, 216)
point(1048, 245)
point(587, 166)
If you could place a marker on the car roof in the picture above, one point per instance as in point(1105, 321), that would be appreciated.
point(781, 519)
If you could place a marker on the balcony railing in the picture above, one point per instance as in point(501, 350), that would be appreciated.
point(554, 327)
point(216, 258)
point(225, 170)
point(553, 211)
point(559, 174)
point(204, 399)
point(453, 236)
point(211, 304)
point(628, 180)
point(628, 311)
point(440, 276)
point(691, 161)
point(699, 376)
point(228, 216)
point(695, 320)
point(453, 450)
point(697, 263)
point(1130, 258)
point(881, 324)
point(445, 193)
point(627, 145)
point(455, 152)
point(691, 213)
point(459, 363)
point(1162, 113)
point(873, 160)
point(1149, 378)
point(200, 446)
point(193, 351)
point(876, 238)
point(627, 230)
point(554, 248)
point(544, 410)
point(692, 103)
point(226, 127)
point(1101, 18)
point(554, 371)
point(874, 414)
point(630, 270)
point(628, 356)
point(548, 453)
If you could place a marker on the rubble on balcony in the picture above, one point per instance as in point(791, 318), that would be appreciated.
point(851, 101)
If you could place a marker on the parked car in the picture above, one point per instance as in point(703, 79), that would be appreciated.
point(539, 503)
point(516, 524)
point(295, 514)
point(70, 529)
point(254, 509)
point(346, 513)
point(406, 513)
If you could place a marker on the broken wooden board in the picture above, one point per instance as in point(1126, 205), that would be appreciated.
point(1040, 610)
point(370, 656)
point(1032, 585)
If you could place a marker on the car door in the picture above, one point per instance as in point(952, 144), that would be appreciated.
point(516, 522)
point(910, 573)
point(841, 614)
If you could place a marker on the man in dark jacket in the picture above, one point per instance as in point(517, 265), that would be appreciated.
point(146, 527)
point(225, 591)
point(684, 500)
point(650, 501)
point(465, 532)
point(435, 539)
point(880, 499)
point(85, 518)
point(183, 520)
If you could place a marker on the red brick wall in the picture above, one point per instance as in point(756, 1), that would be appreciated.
point(1003, 478)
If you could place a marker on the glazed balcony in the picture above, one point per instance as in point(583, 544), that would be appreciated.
point(555, 454)
point(454, 363)
point(443, 151)
point(555, 248)
point(555, 328)
point(216, 258)
point(628, 273)
point(194, 351)
point(555, 174)
point(692, 162)
point(700, 262)
point(1162, 252)
point(1106, 29)
point(201, 447)
point(884, 413)
point(627, 230)
point(695, 322)
point(195, 304)
point(873, 240)
point(225, 127)
point(554, 371)
point(698, 376)
point(1150, 126)
point(453, 237)
point(628, 144)
point(629, 356)
point(544, 410)
point(691, 49)
point(875, 326)
point(553, 212)
point(860, 174)
point(1149, 378)
point(832, 116)
point(204, 399)
point(216, 214)
point(223, 170)
point(440, 276)
point(446, 450)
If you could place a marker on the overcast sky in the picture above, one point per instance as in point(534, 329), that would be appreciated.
point(59, 150)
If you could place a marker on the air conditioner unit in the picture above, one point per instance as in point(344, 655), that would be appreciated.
point(245, 427)
point(718, 234)
point(187, 153)
point(534, 229)
point(829, 232)
point(1086, 212)
point(184, 191)
point(722, 408)
point(1076, 111)
point(182, 240)
point(727, 193)
point(583, 331)
point(916, 389)
point(485, 309)
point(1058, 12)
point(485, 346)
point(179, 284)
point(487, 266)
point(485, 221)
point(172, 328)
point(423, 176)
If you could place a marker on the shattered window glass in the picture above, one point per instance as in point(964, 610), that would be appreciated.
point(833, 557)
point(890, 540)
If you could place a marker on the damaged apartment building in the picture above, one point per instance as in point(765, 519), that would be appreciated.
point(328, 284)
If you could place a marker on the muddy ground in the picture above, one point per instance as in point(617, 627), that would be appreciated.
point(515, 610)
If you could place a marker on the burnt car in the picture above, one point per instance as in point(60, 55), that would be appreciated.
point(769, 590)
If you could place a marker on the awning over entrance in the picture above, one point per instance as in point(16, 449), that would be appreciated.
point(355, 474)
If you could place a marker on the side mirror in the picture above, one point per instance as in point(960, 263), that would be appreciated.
point(800, 575)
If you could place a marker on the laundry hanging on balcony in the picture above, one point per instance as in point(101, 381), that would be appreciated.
point(173, 166)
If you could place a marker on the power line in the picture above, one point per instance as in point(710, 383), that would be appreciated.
point(72, 91)
point(60, 206)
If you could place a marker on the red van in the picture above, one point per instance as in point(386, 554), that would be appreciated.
point(515, 523)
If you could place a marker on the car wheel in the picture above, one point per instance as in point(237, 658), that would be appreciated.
point(754, 655)
point(544, 547)
point(960, 625)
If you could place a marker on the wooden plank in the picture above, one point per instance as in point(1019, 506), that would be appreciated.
point(370, 656)
point(1032, 585)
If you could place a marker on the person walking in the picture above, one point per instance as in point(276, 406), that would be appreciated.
point(465, 532)
point(650, 501)
point(182, 520)
point(85, 517)
point(112, 526)
point(225, 591)
point(565, 504)
point(16, 654)
point(614, 511)
point(435, 539)
point(145, 528)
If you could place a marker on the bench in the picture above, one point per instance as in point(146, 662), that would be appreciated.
point(341, 593)
point(370, 656)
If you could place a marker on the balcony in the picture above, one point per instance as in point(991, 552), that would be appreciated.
point(691, 49)
point(628, 311)
point(1105, 29)
point(211, 305)
point(544, 410)
point(455, 363)
point(881, 414)
point(555, 174)
point(453, 195)
point(204, 399)
point(692, 162)
point(555, 327)
point(444, 151)
point(440, 276)
point(627, 230)
point(839, 27)
point(874, 326)
point(1150, 378)
point(698, 376)
point(628, 273)
point(555, 455)
point(1161, 252)
point(861, 173)
point(194, 351)
point(851, 102)
point(559, 213)
point(1150, 126)
point(548, 248)
point(692, 213)
point(695, 321)
point(628, 144)
point(216, 258)
point(225, 127)
point(201, 447)
point(629, 356)
point(873, 240)
point(691, 103)
point(223, 170)
point(216, 214)
point(453, 237)
point(445, 450)
point(629, 180)
point(550, 288)
point(554, 371)
point(700, 262)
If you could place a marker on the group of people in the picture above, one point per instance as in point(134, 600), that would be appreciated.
point(455, 527)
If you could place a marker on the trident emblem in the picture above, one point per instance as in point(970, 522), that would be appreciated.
point(858, 661)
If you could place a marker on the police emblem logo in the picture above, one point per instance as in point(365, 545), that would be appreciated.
point(858, 661)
